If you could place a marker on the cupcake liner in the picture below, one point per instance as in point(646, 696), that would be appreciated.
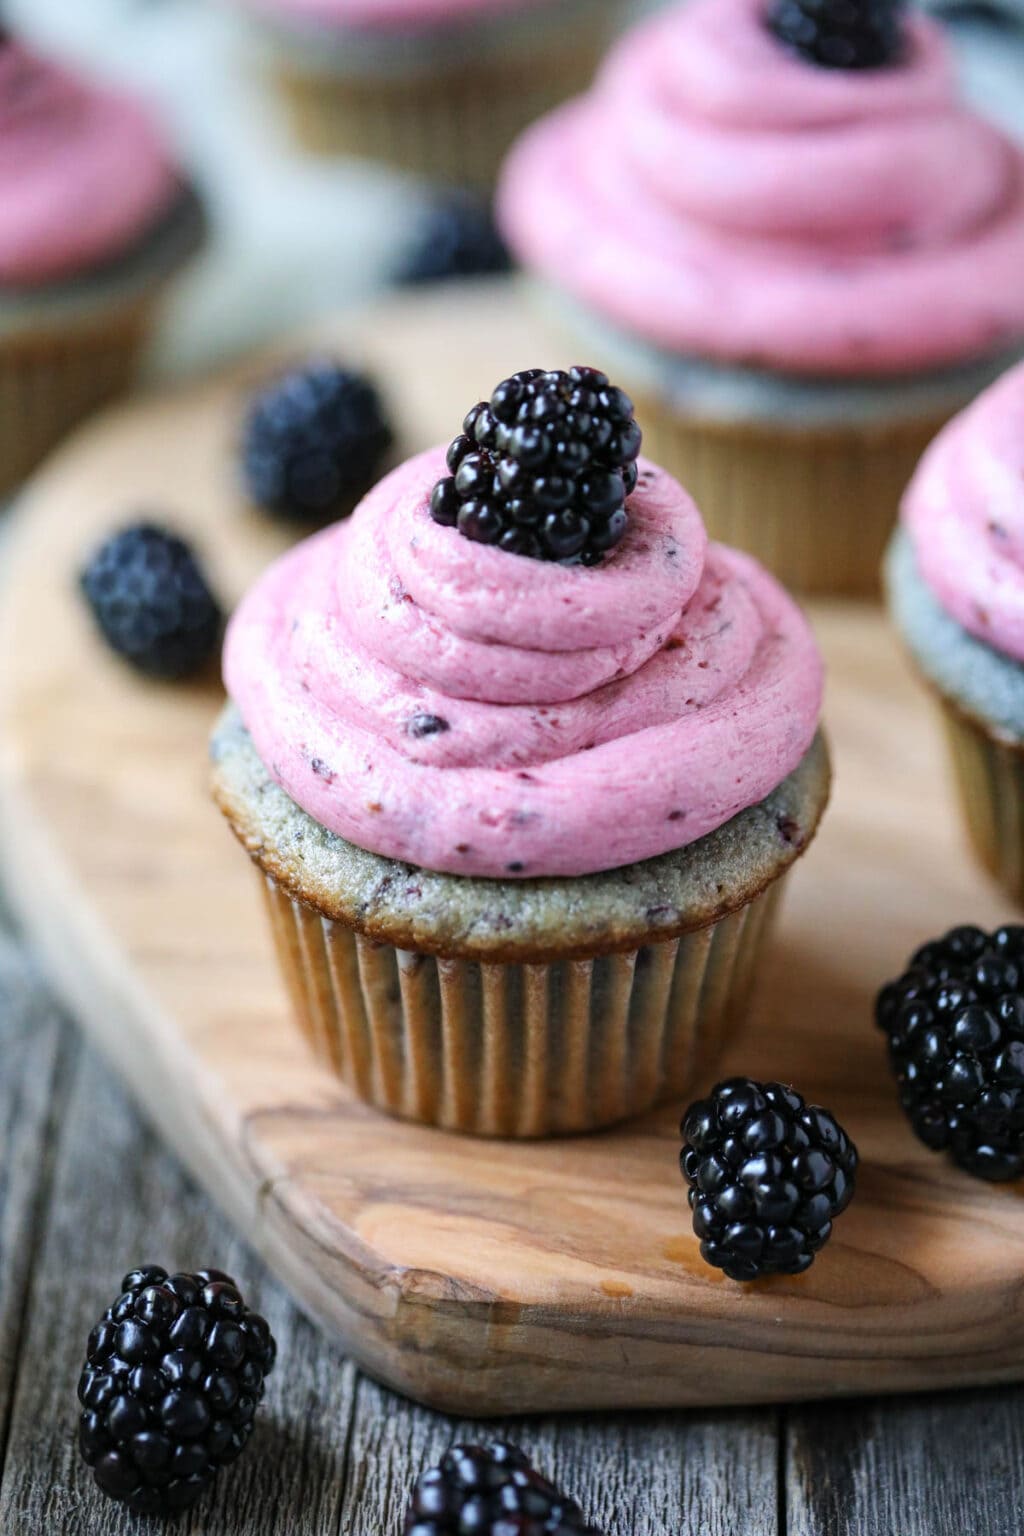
point(990, 779)
point(52, 380)
point(517, 1050)
point(816, 506)
point(453, 124)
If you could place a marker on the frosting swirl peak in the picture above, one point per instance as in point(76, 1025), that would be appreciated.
point(479, 713)
point(721, 196)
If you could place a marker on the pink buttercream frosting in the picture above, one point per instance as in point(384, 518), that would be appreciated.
point(965, 514)
point(720, 196)
point(83, 172)
point(472, 711)
point(389, 15)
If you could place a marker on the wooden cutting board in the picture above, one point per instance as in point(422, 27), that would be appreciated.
point(479, 1277)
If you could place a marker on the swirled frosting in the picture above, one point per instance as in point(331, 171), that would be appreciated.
point(83, 172)
point(964, 511)
point(720, 196)
point(480, 713)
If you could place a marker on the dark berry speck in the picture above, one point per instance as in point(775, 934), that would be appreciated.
point(841, 34)
point(456, 238)
point(491, 1490)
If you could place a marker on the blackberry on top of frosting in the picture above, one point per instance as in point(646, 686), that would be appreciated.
point(545, 467)
point(841, 34)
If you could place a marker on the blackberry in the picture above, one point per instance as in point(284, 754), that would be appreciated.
point(491, 1490)
point(544, 467)
point(955, 1025)
point(173, 1375)
point(313, 442)
point(768, 1175)
point(151, 601)
point(457, 238)
point(841, 34)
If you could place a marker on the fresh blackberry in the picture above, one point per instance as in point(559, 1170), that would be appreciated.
point(955, 1025)
point(151, 601)
point(173, 1375)
point(768, 1175)
point(491, 1490)
point(313, 442)
point(841, 34)
point(544, 467)
point(457, 238)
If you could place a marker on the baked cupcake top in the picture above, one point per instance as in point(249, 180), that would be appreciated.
point(390, 14)
point(480, 712)
point(719, 194)
point(964, 512)
point(84, 173)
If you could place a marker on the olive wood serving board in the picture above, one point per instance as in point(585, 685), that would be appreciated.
point(478, 1277)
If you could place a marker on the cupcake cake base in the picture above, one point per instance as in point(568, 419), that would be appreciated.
point(598, 996)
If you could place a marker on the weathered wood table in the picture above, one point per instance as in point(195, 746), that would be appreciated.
point(86, 1192)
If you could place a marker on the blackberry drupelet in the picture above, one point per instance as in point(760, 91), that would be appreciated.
point(173, 1375)
point(841, 34)
point(151, 601)
point(313, 442)
point(491, 1490)
point(768, 1175)
point(955, 1025)
point(544, 467)
point(457, 238)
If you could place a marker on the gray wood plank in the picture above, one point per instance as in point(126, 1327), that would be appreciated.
point(117, 1200)
point(31, 1038)
point(634, 1475)
point(943, 1466)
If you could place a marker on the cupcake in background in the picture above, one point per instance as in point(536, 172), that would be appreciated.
point(955, 579)
point(94, 220)
point(801, 253)
point(522, 764)
point(440, 88)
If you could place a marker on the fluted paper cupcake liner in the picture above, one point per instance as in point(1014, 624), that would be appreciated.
point(453, 126)
point(517, 1050)
point(52, 380)
point(815, 506)
point(990, 779)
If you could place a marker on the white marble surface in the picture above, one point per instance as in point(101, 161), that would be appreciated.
point(294, 237)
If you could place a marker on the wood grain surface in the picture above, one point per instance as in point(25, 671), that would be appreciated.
point(480, 1277)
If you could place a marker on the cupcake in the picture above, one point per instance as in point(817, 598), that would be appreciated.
point(797, 248)
point(93, 221)
point(437, 87)
point(522, 822)
point(955, 578)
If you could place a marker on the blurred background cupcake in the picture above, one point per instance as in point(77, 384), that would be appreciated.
point(437, 87)
point(783, 231)
point(955, 575)
point(94, 221)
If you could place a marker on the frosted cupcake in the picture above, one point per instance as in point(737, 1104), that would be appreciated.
point(93, 221)
point(437, 87)
point(955, 576)
point(522, 822)
point(797, 248)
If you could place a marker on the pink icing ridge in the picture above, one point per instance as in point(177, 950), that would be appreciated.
point(653, 740)
point(384, 15)
point(964, 510)
point(83, 172)
point(718, 195)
